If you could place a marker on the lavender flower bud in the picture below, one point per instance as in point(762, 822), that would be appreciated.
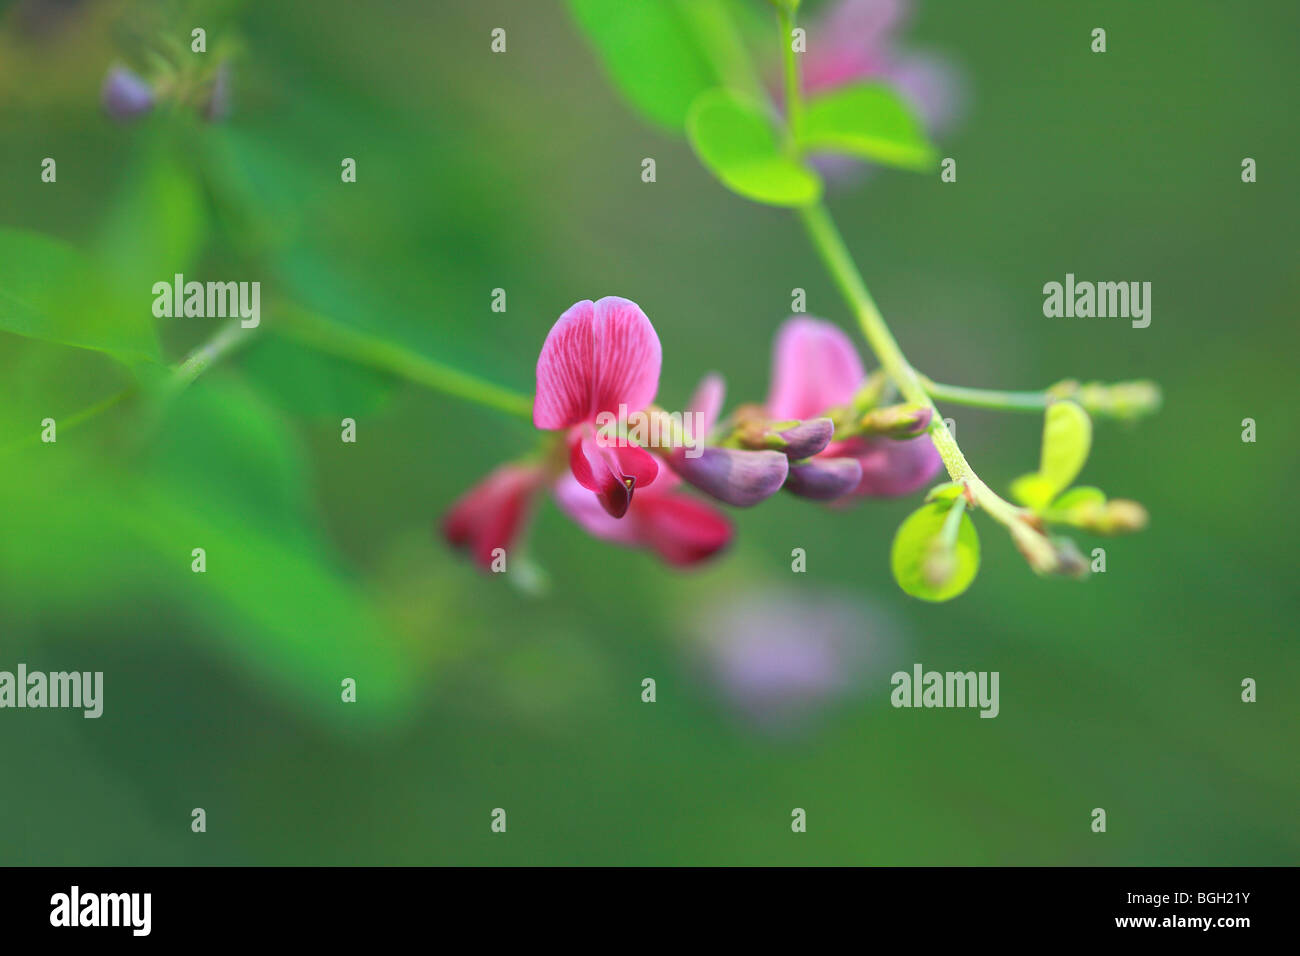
point(824, 479)
point(125, 95)
point(738, 477)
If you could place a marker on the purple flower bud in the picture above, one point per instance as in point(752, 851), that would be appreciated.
point(806, 438)
point(738, 477)
point(824, 479)
point(217, 105)
point(125, 95)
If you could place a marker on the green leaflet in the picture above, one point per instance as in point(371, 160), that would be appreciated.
point(735, 141)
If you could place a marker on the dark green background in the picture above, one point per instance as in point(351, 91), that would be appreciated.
point(522, 171)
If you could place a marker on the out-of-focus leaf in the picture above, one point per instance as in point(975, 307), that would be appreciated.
point(225, 476)
point(651, 53)
point(736, 142)
point(914, 550)
point(156, 224)
point(49, 291)
point(868, 121)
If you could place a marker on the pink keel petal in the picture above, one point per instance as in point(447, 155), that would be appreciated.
point(814, 367)
point(613, 472)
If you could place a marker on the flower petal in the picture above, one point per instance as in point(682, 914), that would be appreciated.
point(738, 477)
point(707, 404)
point(814, 367)
point(597, 356)
point(891, 467)
point(682, 530)
point(627, 357)
point(564, 369)
point(492, 513)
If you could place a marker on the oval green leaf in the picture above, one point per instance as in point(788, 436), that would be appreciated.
point(50, 291)
point(868, 121)
point(914, 545)
point(736, 142)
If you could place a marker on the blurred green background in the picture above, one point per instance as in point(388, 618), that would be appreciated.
point(522, 171)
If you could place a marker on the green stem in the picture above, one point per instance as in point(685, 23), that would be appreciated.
point(385, 356)
point(828, 242)
point(226, 340)
point(793, 93)
point(988, 398)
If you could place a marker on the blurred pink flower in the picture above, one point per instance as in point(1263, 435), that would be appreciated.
point(857, 40)
point(815, 368)
point(779, 659)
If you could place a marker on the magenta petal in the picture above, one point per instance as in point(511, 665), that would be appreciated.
point(596, 357)
point(891, 468)
point(807, 438)
point(707, 403)
point(492, 513)
point(824, 479)
point(814, 367)
point(738, 477)
point(564, 369)
point(682, 530)
point(627, 357)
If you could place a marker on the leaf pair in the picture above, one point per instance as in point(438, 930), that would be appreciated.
point(739, 141)
point(1067, 439)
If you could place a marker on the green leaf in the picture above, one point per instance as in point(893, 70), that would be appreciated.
point(919, 544)
point(735, 141)
point(50, 291)
point(869, 121)
point(650, 52)
point(1067, 438)
point(224, 474)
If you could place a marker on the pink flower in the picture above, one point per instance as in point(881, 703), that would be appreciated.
point(856, 40)
point(680, 529)
point(814, 369)
point(597, 357)
point(492, 514)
